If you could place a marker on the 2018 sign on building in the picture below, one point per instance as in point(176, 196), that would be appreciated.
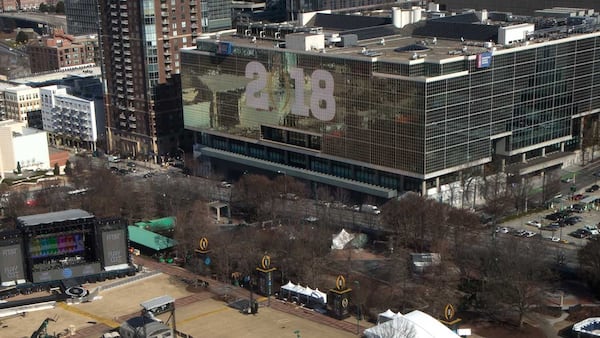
point(320, 88)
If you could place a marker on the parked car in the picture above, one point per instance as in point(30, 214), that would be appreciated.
point(311, 219)
point(503, 230)
point(578, 197)
point(593, 188)
point(529, 234)
point(567, 180)
point(552, 226)
point(555, 239)
point(580, 233)
point(577, 208)
point(225, 184)
point(535, 224)
point(572, 220)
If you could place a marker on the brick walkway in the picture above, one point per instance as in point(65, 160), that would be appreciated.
point(217, 287)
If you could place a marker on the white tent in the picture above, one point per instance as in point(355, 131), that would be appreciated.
point(320, 296)
point(301, 294)
point(385, 316)
point(341, 239)
point(415, 324)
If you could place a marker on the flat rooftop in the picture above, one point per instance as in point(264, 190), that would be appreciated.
point(435, 40)
point(51, 217)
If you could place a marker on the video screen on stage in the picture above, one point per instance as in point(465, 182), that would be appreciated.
point(57, 245)
point(114, 244)
point(11, 263)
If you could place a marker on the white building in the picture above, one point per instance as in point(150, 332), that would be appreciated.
point(70, 120)
point(23, 145)
point(22, 103)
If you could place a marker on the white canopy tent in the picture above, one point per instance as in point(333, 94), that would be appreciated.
point(387, 316)
point(341, 240)
point(415, 324)
point(304, 295)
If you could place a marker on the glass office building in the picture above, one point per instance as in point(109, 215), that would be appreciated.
point(391, 116)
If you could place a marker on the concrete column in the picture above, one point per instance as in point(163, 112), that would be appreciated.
point(544, 152)
point(562, 146)
point(524, 158)
point(503, 165)
point(424, 188)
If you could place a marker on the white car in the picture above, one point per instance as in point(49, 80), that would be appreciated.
point(555, 239)
point(529, 234)
point(535, 224)
point(503, 230)
point(311, 219)
point(225, 184)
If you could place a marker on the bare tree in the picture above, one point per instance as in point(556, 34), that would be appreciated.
point(590, 264)
point(514, 275)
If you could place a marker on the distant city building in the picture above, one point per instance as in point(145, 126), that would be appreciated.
point(9, 5)
point(22, 104)
point(216, 15)
point(61, 51)
point(359, 103)
point(82, 17)
point(28, 5)
point(27, 147)
point(69, 120)
point(141, 43)
point(520, 7)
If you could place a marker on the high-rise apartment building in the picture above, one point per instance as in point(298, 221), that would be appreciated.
point(140, 43)
point(377, 111)
point(82, 17)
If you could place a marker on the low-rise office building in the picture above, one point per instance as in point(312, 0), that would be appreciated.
point(383, 109)
point(22, 104)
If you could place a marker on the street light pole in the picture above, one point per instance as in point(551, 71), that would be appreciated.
point(284, 181)
point(358, 308)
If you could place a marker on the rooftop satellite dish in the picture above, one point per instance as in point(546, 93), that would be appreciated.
point(462, 39)
point(382, 42)
point(254, 39)
point(434, 41)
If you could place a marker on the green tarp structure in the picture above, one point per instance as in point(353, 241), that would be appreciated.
point(149, 239)
point(159, 224)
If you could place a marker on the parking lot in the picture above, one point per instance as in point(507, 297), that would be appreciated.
point(559, 229)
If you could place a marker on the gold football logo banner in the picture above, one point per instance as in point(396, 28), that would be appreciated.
point(340, 282)
point(449, 312)
point(203, 243)
point(265, 263)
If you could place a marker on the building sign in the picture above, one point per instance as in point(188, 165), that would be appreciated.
point(224, 48)
point(11, 263)
point(484, 60)
point(304, 94)
point(114, 245)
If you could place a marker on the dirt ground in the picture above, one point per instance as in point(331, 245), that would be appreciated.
point(204, 318)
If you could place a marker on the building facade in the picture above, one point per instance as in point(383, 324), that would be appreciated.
point(22, 104)
point(216, 15)
point(82, 17)
point(62, 51)
point(141, 43)
point(22, 146)
point(69, 120)
point(410, 114)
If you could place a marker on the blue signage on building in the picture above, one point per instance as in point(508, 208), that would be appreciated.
point(484, 60)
